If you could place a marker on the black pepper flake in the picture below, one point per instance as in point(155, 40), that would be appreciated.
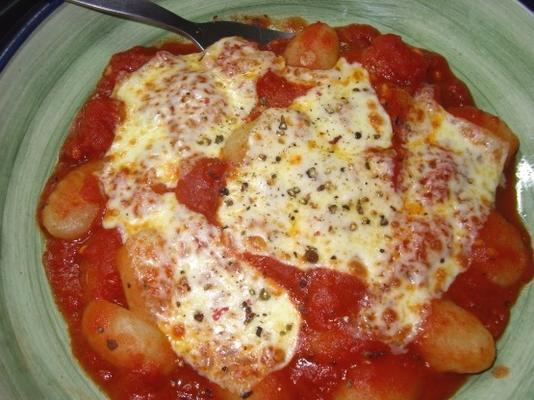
point(178, 304)
point(383, 221)
point(246, 395)
point(358, 135)
point(283, 125)
point(259, 330)
point(376, 136)
point(198, 316)
point(112, 344)
point(244, 186)
point(442, 260)
point(367, 165)
point(311, 173)
point(332, 208)
point(366, 221)
point(224, 368)
point(359, 207)
point(311, 255)
point(346, 207)
point(320, 188)
point(224, 192)
point(278, 158)
point(219, 139)
point(293, 191)
point(262, 157)
point(264, 294)
point(382, 251)
point(229, 202)
point(249, 315)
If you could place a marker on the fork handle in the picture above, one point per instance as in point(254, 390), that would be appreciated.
point(147, 12)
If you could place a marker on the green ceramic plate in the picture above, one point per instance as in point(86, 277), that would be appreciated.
point(489, 43)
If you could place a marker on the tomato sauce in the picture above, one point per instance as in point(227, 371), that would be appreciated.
point(203, 186)
point(329, 353)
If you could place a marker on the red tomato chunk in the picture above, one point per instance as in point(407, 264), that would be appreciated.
point(275, 91)
point(201, 188)
point(390, 59)
point(93, 130)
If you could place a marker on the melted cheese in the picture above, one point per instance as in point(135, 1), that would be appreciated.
point(321, 192)
point(317, 176)
point(316, 188)
point(448, 179)
point(221, 316)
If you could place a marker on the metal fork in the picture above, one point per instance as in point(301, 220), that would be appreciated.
point(202, 34)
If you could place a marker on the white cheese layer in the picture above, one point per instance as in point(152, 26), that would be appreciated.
point(448, 177)
point(177, 108)
point(317, 178)
point(316, 189)
point(221, 316)
point(320, 185)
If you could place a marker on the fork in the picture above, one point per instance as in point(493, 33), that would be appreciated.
point(202, 34)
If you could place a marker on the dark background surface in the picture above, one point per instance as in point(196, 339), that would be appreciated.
point(13, 14)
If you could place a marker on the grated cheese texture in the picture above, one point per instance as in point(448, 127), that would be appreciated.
point(320, 185)
point(221, 316)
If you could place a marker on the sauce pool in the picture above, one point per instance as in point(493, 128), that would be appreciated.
point(329, 353)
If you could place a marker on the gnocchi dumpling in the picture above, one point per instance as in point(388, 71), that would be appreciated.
point(67, 214)
point(316, 47)
point(126, 339)
point(454, 340)
point(499, 252)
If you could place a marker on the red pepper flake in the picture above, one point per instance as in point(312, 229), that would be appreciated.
point(218, 313)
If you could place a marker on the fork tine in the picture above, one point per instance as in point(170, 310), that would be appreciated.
point(210, 32)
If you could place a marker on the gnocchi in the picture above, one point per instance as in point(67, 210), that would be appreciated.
point(235, 147)
point(384, 378)
point(132, 263)
point(454, 340)
point(270, 388)
point(125, 339)
point(500, 252)
point(67, 214)
point(317, 47)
